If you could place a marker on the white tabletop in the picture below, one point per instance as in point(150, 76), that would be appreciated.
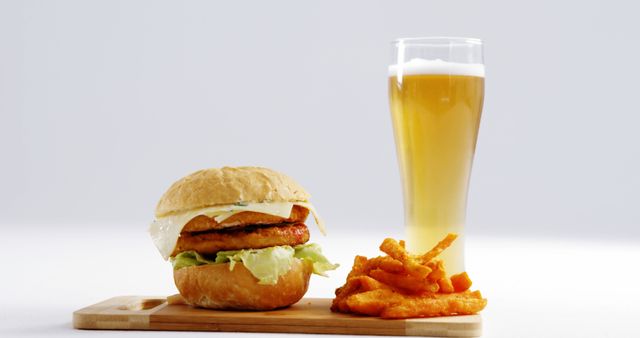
point(536, 287)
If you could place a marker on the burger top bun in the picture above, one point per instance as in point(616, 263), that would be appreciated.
point(220, 186)
point(214, 286)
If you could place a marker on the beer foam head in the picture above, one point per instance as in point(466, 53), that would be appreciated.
point(436, 67)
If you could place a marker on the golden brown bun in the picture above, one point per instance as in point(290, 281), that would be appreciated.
point(203, 223)
point(210, 187)
point(213, 286)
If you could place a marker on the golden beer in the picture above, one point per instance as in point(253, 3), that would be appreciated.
point(436, 119)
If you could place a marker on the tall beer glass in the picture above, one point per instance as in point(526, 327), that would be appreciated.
point(436, 89)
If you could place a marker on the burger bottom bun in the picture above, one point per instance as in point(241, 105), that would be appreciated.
point(214, 286)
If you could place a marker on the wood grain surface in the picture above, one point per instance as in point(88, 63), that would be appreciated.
point(310, 315)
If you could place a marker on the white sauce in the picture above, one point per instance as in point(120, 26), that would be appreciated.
point(165, 231)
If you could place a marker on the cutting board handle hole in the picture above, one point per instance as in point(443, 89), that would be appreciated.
point(142, 304)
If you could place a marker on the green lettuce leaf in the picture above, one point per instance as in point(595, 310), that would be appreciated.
point(188, 258)
point(267, 264)
point(313, 253)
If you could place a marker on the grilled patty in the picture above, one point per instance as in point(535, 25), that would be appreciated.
point(203, 223)
point(252, 237)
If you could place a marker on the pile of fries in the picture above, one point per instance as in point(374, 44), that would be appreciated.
point(401, 285)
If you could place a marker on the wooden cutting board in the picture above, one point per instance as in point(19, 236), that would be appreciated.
point(310, 315)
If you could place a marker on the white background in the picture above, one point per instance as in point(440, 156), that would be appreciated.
point(103, 104)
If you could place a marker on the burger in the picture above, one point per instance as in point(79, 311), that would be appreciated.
point(237, 238)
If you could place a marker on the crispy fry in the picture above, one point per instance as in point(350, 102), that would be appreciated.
point(340, 305)
point(354, 285)
point(435, 305)
point(359, 267)
point(392, 248)
point(369, 284)
point(390, 265)
point(401, 285)
point(461, 282)
point(383, 262)
point(402, 244)
point(435, 264)
point(350, 287)
point(443, 244)
point(406, 282)
point(400, 281)
point(445, 285)
point(372, 303)
point(437, 270)
point(372, 263)
point(414, 268)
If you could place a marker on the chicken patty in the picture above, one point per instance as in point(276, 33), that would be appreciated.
point(203, 223)
point(252, 237)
